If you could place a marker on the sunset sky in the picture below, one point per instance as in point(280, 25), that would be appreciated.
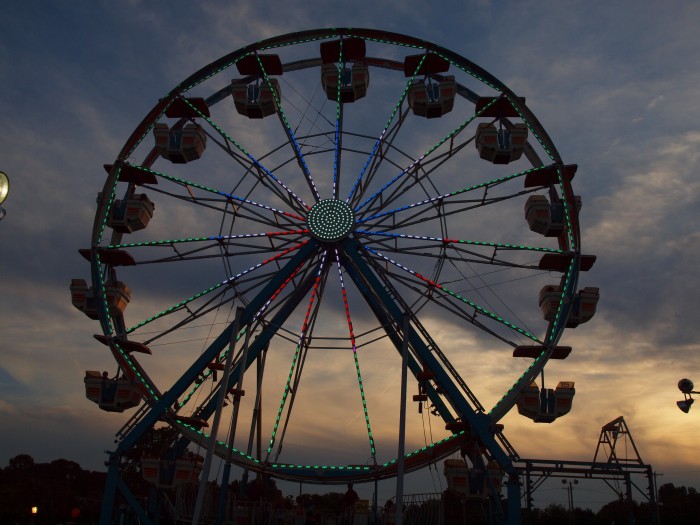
point(615, 88)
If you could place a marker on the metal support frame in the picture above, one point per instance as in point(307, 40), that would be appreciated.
point(160, 409)
point(613, 469)
point(392, 317)
point(390, 314)
point(554, 468)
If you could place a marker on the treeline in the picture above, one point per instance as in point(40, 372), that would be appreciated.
point(676, 506)
point(60, 491)
point(63, 492)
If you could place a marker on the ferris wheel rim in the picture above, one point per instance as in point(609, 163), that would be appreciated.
point(555, 331)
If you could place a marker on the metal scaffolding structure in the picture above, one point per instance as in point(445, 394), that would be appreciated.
point(620, 471)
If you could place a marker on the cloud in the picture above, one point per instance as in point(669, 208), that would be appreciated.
point(651, 193)
point(7, 408)
point(655, 101)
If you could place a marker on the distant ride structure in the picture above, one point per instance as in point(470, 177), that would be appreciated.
point(278, 218)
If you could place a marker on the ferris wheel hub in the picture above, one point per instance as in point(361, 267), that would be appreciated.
point(331, 220)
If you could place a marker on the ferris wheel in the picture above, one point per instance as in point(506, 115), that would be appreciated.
point(297, 219)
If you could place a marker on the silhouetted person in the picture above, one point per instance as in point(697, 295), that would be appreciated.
point(349, 499)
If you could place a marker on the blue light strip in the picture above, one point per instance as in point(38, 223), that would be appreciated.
point(247, 154)
point(338, 112)
point(288, 128)
point(453, 193)
point(386, 128)
point(428, 152)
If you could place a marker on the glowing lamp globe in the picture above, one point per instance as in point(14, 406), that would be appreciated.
point(4, 186)
point(686, 386)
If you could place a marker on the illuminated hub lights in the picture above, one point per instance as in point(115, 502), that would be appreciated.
point(331, 220)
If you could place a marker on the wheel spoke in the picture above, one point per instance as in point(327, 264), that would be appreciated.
point(416, 163)
point(252, 159)
point(446, 197)
point(338, 139)
point(360, 382)
point(220, 239)
point(454, 242)
point(477, 309)
point(290, 133)
point(227, 282)
point(320, 275)
point(214, 246)
point(241, 201)
point(382, 135)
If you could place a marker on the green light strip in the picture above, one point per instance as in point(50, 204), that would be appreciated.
point(205, 375)
point(149, 386)
point(297, 351)
point(360, 382)
point(451, 135)
point(553, 335)
point(211, 74)
point(499, 180)
point(285, 466)
point(288, 127)
point(468, 71)
point(221, 443)
point(168, 242)
point(127, 358)
point(176, 306)
point(239, 200)
point(337, 122)
point(178, 180)
point(504, 246)
point(432, 445)
point(556, 331)
point(108, 208)
point(364, 405)
point(386, 41)
point(247, 153)
point(386, 127)
point(304, 41)
point(567, 212)
point(105, 304)
point(214, 287)
point(472, 304)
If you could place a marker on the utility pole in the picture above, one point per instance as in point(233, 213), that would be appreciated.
point(656, 498)
point(570, 496)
